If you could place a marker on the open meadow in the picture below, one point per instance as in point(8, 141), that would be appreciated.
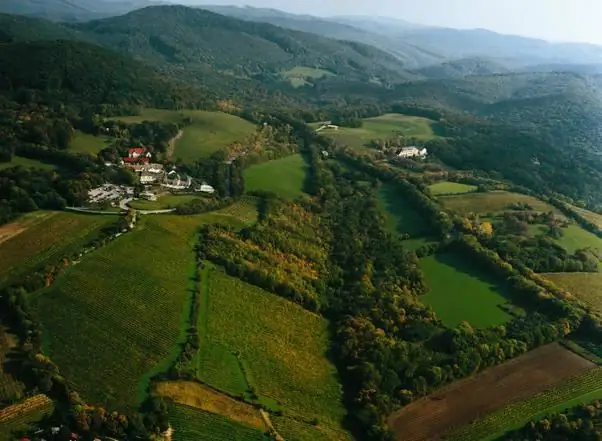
point(460, 292)
point(207, 132)
point(164, 202)
point(190, 424)
point(285, 176)
point(585, 286)
point(401, 217)
point(574, 237)
point(390, 125)
point(492, 202)
point(594, 218)
point(464, 401)
point(447, 188)
point(22, 416)
point(26, 162)
point(274, 346)
point(581, 389)
point(39, 237)
point(301, 76)
point(86, 143)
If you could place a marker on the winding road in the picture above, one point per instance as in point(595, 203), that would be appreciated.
point(124, 206)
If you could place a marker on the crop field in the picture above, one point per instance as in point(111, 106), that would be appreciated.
point(584, 286)
point(26, 162)
point(20, 417)
point(492, 202)
point(285, 176)
point(293, 430)
point(298, 76)
point(400, 216)
point(204, 398)
point(575, 238)
point(282, 349)
point(460, 292)
point(85, 143)
point(116, 315)
point(42, 236)
point(463, 402)
point(10, 387)
point(581, 389)
point(163, 202)
point(386, 126)
point(190, 424)
point(447, 188)
point(207, 133)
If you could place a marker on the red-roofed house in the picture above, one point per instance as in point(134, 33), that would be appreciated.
point(138, 154)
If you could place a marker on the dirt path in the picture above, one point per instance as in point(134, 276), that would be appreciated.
point(268, 423)
point(172, 144)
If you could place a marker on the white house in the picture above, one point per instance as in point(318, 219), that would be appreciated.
point(147, 178)
point(206, 188)
point(412, 152)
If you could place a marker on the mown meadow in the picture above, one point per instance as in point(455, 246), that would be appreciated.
point(285, 176)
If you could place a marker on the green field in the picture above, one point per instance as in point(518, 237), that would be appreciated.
point(459, 292)
point(115, 316)
point(584, 286)
point(575, 238)
point(26, 162)
point(282, 349)
point(190, 424)
point(207, 133)
point(44, 236)
point(387, 126)
point(400, 216)
point(578, 390)
point(492, 202)
point(293, 430)
point(594, 218)
point(163, 202)
point(298, 76)
point(285, 176)
point(85, 143)
point(446, 188)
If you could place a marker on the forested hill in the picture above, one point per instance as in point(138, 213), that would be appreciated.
point(191, 42)
point(70, 73)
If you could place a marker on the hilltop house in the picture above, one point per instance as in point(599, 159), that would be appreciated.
point(412, 152)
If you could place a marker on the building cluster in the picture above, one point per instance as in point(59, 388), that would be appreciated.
point(412, 152)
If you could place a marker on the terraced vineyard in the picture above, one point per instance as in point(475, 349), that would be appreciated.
point(293, 430)
point(191, 424)
point(578, 390)
point(20, 416)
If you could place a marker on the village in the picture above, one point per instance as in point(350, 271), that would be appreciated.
point(153, 177)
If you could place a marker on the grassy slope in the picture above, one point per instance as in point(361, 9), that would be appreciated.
point(208, 132)
point(299, 75)
point(460, 293)
point(443, 188)
point(281, 345)
point(492, 202)
point(26, 162)
point(163, 202)
point(191, 424)
point(45, 236)
point(284, 176)
point(594, 218)
point(578, 390)
point(401, 217)
point(85, 143)
point(576, 237)
point(383, 127)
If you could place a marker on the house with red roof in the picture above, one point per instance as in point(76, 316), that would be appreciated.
point(138, 154)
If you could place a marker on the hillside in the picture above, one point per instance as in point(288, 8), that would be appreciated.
point(462, 68)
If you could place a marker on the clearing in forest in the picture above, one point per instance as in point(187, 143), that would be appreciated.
point(26, 162)
point(585, 286)
point(492, 202)
point(300, 75)
point(206, 132)
point(86, 143)
point(285, 176)
point(44, 236)
point(579, 390)
point(458, 291)
point(20, 417)
point(385, 127)
point(190, 424)
point(447, 188)
point(273, 346)
point(401, 217)
point(574, 238)
point(459, 404)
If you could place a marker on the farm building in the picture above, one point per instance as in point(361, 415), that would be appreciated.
point(327, 126)
point(412, 152)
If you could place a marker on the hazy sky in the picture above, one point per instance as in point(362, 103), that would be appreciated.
point(557, 20)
